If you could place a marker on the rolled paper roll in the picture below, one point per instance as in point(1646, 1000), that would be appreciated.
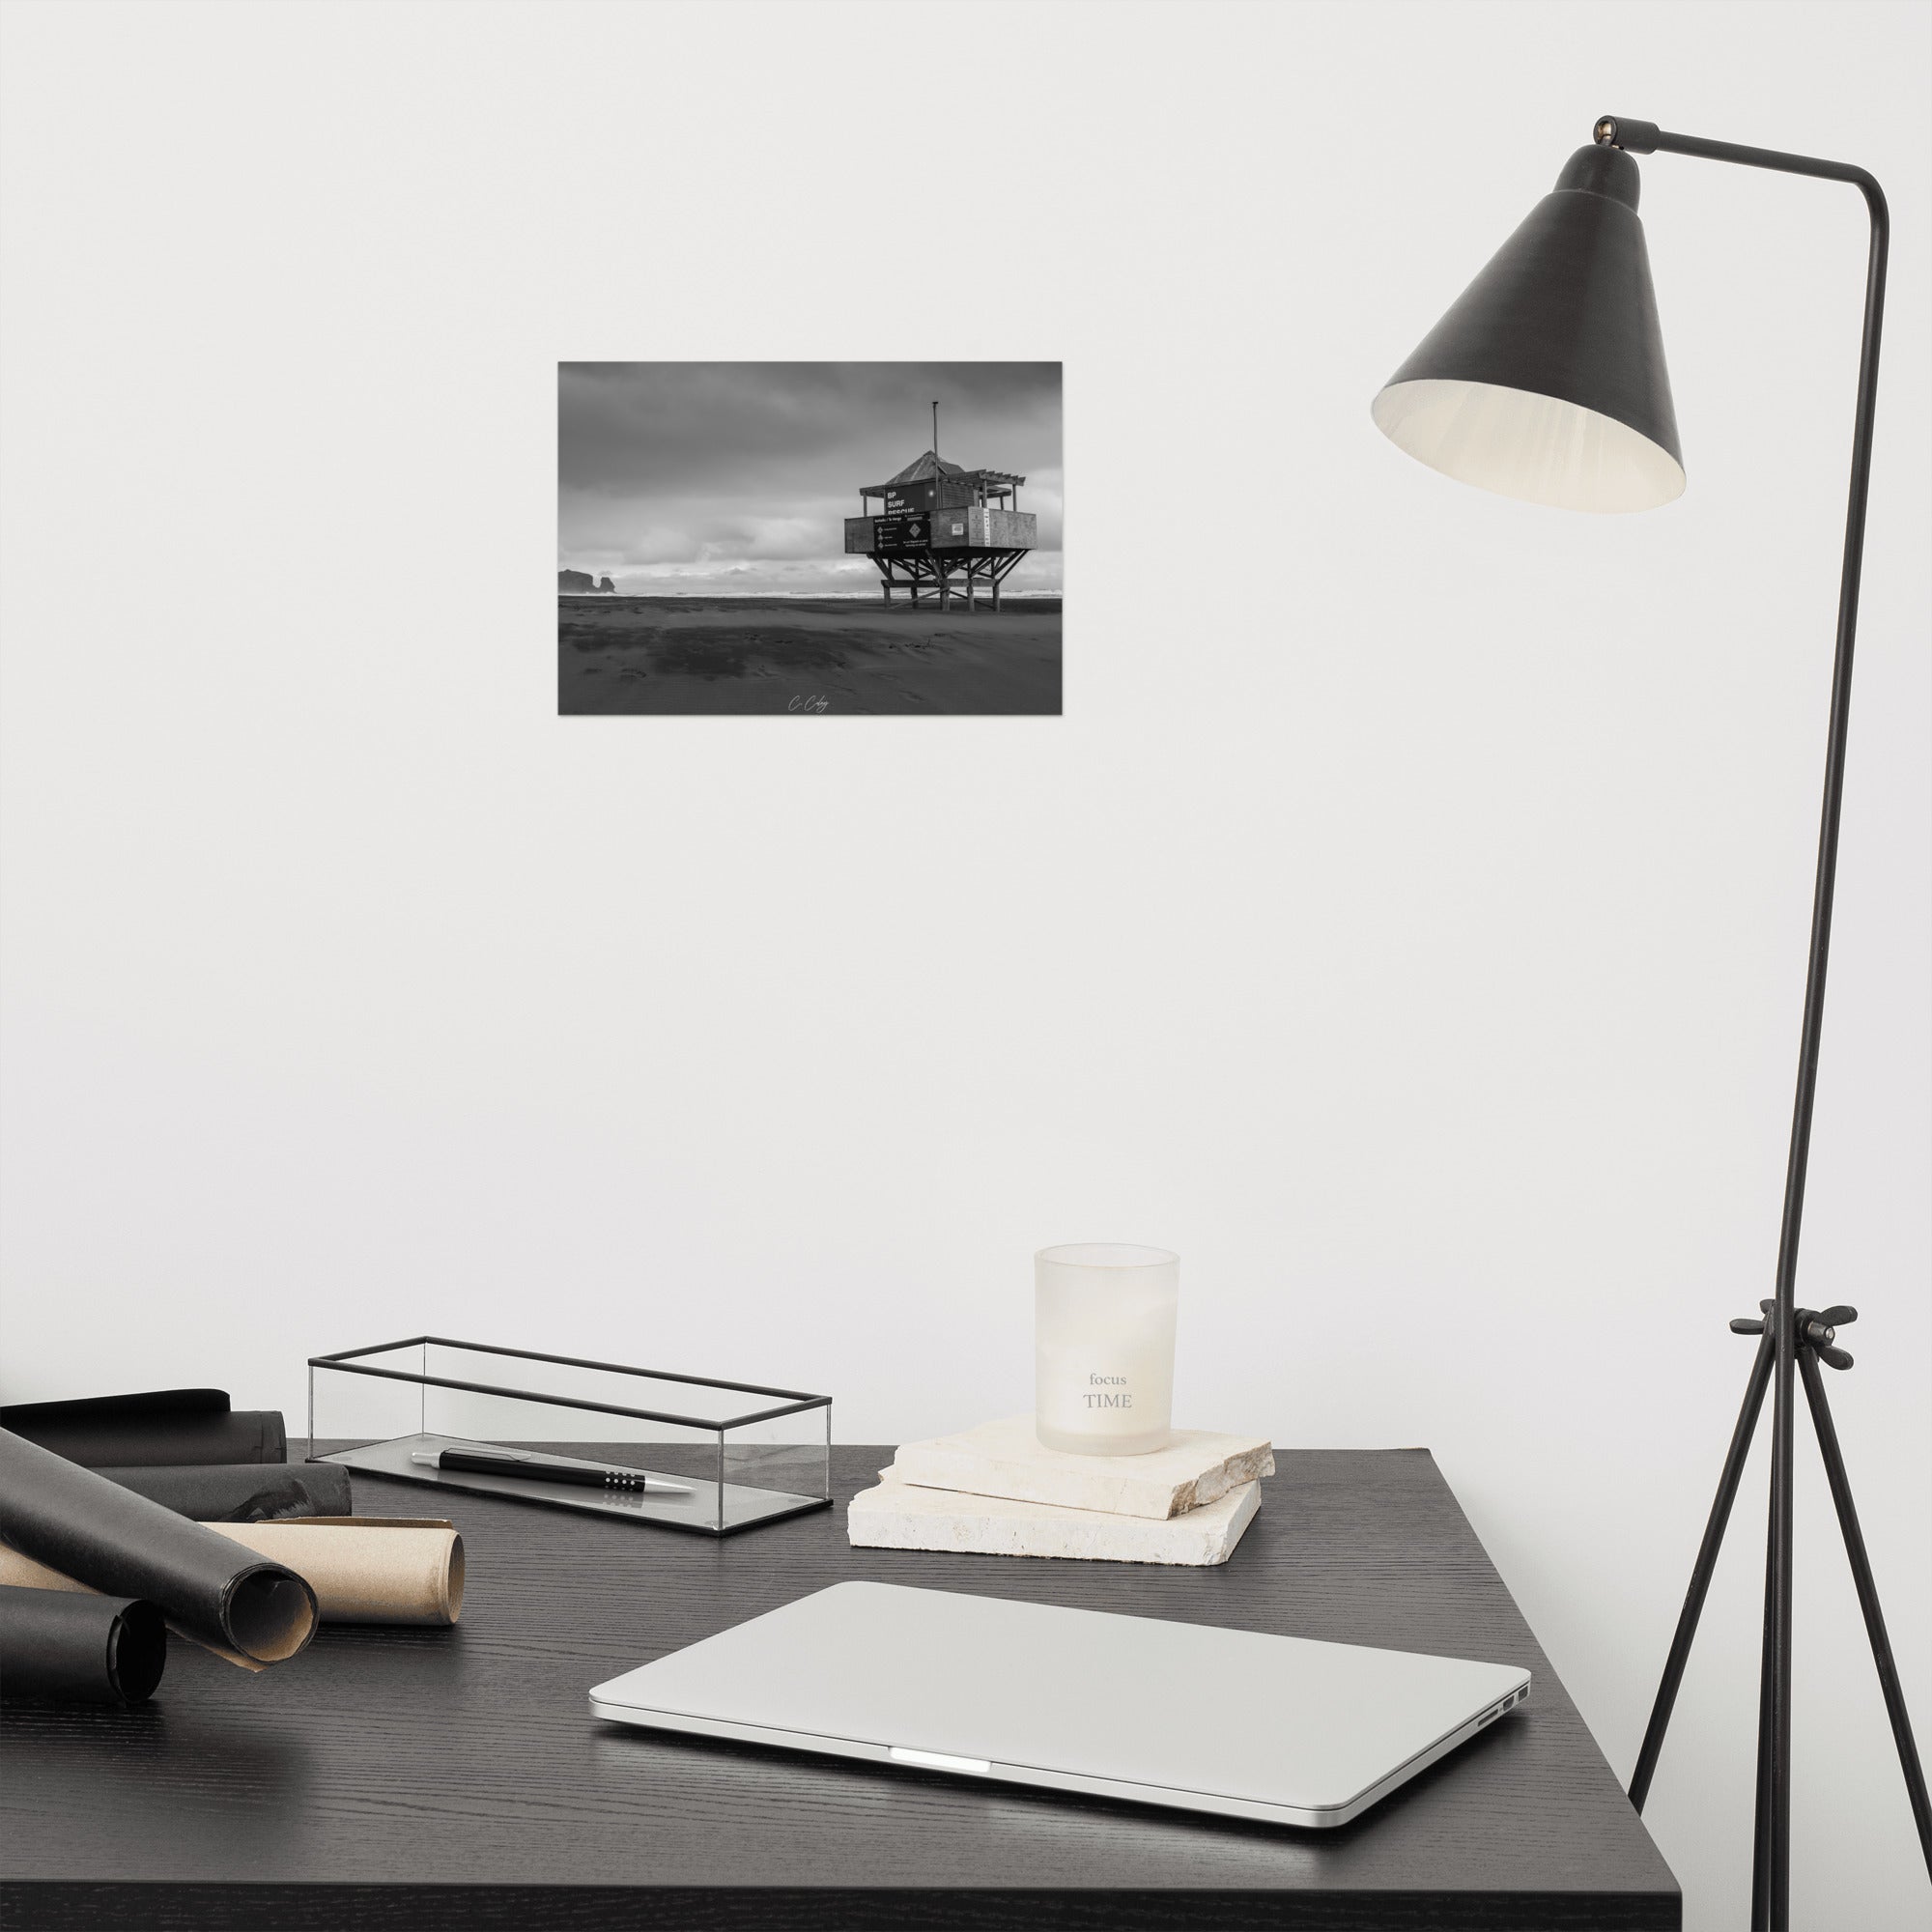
point(363, 1570)
point(108, 1539)
point(168, 1426)
point(370, 1568)
point(57, 1646)
point(242, 1492)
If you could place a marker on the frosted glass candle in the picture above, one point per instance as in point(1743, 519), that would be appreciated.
point(1103, 1348)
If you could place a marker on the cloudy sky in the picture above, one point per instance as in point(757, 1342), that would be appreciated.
point(737, 477)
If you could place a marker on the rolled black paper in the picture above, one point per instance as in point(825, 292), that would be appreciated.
point(166, 1426)
point(242, 1491)
point(68, 1647)
point(217, 1592)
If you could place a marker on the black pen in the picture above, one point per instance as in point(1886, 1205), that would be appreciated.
point(545, 1469)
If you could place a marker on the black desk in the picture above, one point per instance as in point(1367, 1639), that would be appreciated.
point(423, 1779)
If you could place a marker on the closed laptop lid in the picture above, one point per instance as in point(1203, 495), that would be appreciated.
point(1273, 1720)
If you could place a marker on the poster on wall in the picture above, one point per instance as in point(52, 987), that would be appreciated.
point(809, 539)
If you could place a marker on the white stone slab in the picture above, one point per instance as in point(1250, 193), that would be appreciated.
point(903, 1516)
point(1005, 1459)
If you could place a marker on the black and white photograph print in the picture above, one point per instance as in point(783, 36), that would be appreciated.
point(809, 539)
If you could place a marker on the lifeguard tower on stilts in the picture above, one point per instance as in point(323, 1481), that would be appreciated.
point(940, 530)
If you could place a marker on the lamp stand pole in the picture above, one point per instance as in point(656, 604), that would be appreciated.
point(1789, 1349)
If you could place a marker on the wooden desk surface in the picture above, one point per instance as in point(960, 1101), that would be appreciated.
point(453, 1779)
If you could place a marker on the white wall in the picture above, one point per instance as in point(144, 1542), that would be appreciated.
point(1406, 922)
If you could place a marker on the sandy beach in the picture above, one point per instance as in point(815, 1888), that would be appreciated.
point(686, 656)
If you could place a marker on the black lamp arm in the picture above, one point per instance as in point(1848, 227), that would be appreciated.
point(1646, 137)
point(1771, 1906)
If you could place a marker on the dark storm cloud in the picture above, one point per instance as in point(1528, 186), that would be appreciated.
point(654, 429)
point(689, 470)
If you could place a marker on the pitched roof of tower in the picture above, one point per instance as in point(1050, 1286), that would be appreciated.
point(925, 468)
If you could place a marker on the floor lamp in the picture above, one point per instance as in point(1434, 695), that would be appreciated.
point(1546, 382)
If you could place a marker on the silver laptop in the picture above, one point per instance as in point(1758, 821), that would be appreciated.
point(1278, 1728)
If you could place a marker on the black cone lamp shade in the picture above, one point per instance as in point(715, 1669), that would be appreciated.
point(1546, 381)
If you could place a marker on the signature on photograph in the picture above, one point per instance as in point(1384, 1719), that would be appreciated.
point(809, 701)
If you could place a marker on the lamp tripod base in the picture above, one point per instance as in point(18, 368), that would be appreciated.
point(1814, 1340)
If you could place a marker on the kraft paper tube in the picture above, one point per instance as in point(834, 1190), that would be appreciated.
point(171, 1426)
point(367, 1568)
point(104, 1538)
point(62, 1648)
point(363, 1570)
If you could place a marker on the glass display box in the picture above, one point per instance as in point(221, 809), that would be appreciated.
point(641, 1445)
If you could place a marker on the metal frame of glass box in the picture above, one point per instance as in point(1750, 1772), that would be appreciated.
point(731, 1473)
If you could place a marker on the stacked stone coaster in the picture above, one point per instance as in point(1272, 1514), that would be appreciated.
point(995, 1490)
